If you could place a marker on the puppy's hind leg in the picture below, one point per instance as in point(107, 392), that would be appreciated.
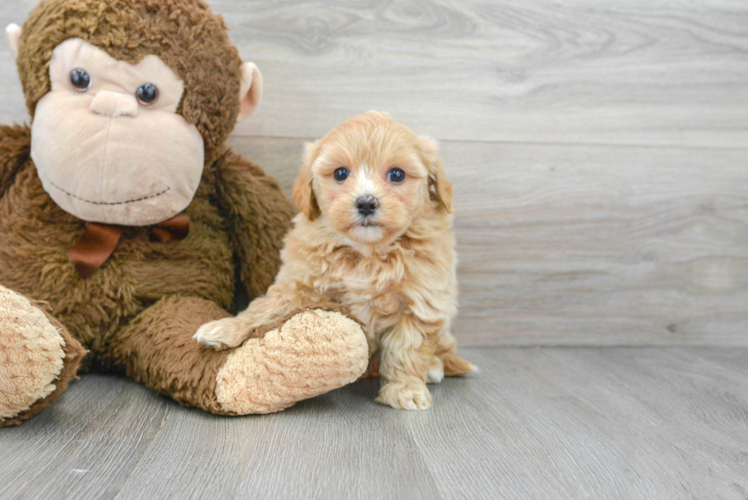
point(436, 371)
point(452, 364)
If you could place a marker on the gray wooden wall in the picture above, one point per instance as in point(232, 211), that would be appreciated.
point(599, 149)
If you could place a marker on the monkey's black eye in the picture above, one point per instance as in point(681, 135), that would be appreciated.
point(147, 94)
point(341, 174)
point(396, 175)
point(80, 79)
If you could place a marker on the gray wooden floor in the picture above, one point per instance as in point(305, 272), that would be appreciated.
point(634, 422)
point(599, 152)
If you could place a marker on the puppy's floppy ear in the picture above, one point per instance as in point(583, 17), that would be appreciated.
point(439, 187)
point(303, 191)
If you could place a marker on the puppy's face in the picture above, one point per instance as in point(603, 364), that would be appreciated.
point(370, 178)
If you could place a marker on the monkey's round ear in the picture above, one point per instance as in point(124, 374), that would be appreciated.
point(303, 189)
point(13, 37)
point(251, 90)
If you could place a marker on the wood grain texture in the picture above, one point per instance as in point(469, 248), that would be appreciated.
point(534, 423)
point(639, 72)
point(329, 447)
point(589, 245)
point(83, 446)
point(593, 423)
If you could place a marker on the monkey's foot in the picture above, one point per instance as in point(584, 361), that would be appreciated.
point(312, 353)
point(37, 358)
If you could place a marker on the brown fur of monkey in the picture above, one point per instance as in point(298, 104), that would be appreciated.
point(237, 208)
point(138, 312)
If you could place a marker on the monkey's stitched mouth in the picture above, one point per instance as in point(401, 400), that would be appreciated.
point(109, 203)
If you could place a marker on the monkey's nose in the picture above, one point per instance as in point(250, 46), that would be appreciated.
point(367, 204)
point(114, 104)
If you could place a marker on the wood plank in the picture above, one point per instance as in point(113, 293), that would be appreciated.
point(591, 423)
point(340, 445)
point(662, 422)
point(665, 73)
point(643, 72)
point(589, 245)
point(85, 445)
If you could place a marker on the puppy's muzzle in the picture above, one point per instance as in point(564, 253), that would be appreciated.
point(366, 205)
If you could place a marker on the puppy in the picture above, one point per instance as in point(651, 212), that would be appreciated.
point(375, 236)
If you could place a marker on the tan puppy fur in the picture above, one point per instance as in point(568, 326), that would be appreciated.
point(394, 268)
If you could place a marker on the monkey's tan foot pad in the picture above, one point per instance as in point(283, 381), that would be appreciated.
point(312, 353)
point(35, 361)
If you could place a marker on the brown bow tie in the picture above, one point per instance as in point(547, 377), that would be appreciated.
point(97, 244)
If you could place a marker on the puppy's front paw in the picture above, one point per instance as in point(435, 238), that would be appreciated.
point(405, 395)
point(222, 334)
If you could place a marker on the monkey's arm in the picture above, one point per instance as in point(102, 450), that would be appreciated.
point(260, 216)
point(15, 146)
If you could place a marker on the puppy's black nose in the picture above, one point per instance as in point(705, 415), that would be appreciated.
point(366, 204)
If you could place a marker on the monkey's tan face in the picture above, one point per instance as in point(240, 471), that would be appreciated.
point(107, 141)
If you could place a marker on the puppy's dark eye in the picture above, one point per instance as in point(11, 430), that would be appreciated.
point(80, 79)
point(341, 174)
point(147, 94)
point(396, 175)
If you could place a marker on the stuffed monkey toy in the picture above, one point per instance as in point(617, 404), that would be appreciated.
point(126, 222)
